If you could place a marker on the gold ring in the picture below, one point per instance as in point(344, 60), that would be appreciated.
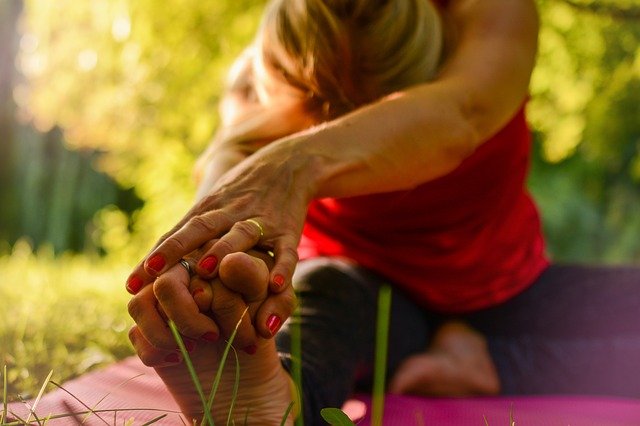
point(256, 223)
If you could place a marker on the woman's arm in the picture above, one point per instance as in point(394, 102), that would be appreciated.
point(246, 125)
point(425, 132)
point(397, 143)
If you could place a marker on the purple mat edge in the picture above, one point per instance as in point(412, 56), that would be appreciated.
point(574, 410)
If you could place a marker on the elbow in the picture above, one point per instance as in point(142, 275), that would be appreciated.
point(466, 134)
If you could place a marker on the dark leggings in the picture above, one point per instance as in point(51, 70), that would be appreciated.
point(575, 330)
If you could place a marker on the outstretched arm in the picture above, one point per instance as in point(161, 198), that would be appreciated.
point(403, 140)
point(425, 132)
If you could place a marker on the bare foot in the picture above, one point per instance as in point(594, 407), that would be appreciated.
point(265, 389)
point(457, 363)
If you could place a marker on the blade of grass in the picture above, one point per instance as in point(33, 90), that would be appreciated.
point(286, 413)
point(223, 360)
point(296, 360)
point(154, 420)
point(4, 394)
point(107, 394)
point(91, 410)
point(29, 407)
point(37, 401)
point(236, 383)
point(512, 421)
point(246, 416)
point(69, 409)
point(380, 363)
point(20, 420)
point(75, 414)
point(192, 371)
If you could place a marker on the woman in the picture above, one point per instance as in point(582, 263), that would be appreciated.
point(351, 140)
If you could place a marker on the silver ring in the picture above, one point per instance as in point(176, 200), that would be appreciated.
point(187, 266)
point(256, 223)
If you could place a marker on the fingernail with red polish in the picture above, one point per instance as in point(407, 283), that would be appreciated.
point(210, 336)
point(134, 284)
point(172, 357)
point(278, 280)
point(156, 263)
point(209, 263)
point(197, 291)
point(251, 349)
point(273, 323)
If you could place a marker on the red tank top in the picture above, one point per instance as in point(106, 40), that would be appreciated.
point(468, 240)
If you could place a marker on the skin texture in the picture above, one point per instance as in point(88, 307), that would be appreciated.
point(430, 130)
point(265, 387)
point(457, 363)
point(270, 159)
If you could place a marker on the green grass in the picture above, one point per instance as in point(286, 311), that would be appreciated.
point(35, 288)
point(67, 314)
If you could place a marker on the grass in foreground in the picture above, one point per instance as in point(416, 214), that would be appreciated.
point(67, 312)
point(35, 289)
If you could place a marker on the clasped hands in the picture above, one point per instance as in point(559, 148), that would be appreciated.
point(254, 209)
point(208, 310)
point(257, 205)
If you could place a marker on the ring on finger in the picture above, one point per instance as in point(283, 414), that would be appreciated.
point(256, 223)
point(187, 266)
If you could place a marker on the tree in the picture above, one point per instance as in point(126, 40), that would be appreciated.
point(139, 82)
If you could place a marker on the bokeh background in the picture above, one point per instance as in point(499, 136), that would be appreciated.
point(105, 104)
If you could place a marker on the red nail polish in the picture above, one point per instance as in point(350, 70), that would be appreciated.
point(134, 284)
point(172, 357)
point(251, 349)
point(156, 263)
point(210, 336)
point(278, 280)
point(273, 323)
point(209, 264)
point(197, 291)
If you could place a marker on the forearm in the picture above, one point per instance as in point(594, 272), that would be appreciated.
point(215, 165)
point(426, 131)
point(394, 144)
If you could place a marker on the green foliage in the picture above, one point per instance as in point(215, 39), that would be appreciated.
point(585, 110)
point(335, 417)
point(67, 314)
point(381, 350)
point(138, 81)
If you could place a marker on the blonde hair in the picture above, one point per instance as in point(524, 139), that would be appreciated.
point(346, 53)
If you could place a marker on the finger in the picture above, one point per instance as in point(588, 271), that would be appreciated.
point(194, 233)
point(274, 311)
point(246, 275)
point(266, 256)
point(138, 279)
point(149, 354)
point(161, 312)
point(285, 264)
point(201, 292)
point(172, 291)
point(241, 237)
point(142, 308)
point(229, 310)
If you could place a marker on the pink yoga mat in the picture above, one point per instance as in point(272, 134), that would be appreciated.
point(124, 390)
